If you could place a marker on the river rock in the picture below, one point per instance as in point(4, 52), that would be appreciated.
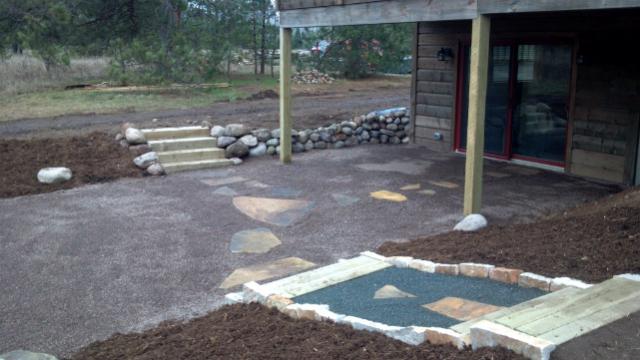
point(145, 160)
point(54, 175)
point(314, 137)
point(236, 150)
point(155, 169)
point(224, 141)
point(217, 131)
point(321, 145)
point(273, 142)
point(308, 146)
point(271, 150)
point(339, 144)
point(262, 134)
point(473, 222)
point(134, 136)
point(236, 130)
point(259, 150)
point(347, 131)
point(249, 140)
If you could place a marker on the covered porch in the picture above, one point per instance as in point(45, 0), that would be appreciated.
point(469, 30)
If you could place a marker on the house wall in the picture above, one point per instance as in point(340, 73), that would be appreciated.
point(605, 111)
point(436, 83)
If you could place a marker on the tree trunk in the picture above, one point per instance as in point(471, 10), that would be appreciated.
point(263, 37)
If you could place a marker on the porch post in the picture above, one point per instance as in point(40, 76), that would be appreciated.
point(285, 95)
point(478, 77)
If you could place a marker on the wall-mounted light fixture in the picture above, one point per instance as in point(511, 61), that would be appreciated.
point(445, 54)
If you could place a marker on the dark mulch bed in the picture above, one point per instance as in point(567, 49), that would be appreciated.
point(92, 158)
point(591, 243)
point(255, 332)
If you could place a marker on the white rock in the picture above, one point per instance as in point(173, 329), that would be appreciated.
point(400, 261)
point(423, 265)
point(473, 222)
point(134, 136)
point(217, 131)
point(236, 161)
point(54, 175)
point(305, 311)
point(328, 315)
point(145, 160)
point(254, 292)
point(442, 336)
point(368, 325)
point(249, 140)
point(234, 298)
point(412, 335)
point(155, 169)
point(26, 355)
point(259, 150)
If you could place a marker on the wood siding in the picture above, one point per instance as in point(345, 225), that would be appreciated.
point(605, 116)
point(607, 107)
point(436, 83)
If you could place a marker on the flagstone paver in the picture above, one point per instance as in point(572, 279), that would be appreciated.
point(281, 212)
point(411, 187)
point(256, 241)
point(265, 271)
point(388, 196)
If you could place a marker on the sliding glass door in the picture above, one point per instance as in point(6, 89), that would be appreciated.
point(527, 101)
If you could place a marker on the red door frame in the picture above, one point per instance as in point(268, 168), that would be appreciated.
point(513, 68)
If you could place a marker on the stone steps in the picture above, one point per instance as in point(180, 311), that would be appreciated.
point(171, 168)
point(185, 148)
point(175, 133)
point(190, 155)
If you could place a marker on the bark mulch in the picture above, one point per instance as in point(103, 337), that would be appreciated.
point(591, 243)
point(255, 332)
point(93, 158)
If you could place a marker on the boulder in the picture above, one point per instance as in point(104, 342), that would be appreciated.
point(273, 142)
point(263, 135)
point(224, 141)
point(54, 175)
point(217, 131)
point(303, 136)
point(145, 160)
point(155, 169)
point(308, 146)
point(134, 136)
point(236, 161)
point(26, 355)
point(297, 148)
point(473, 222)
point(259, 150)
point(249, 140)
point(271, 150)
point(236, 150)
point(236, 130)
point(314, 137)
point(321, 145)
point(137, 150)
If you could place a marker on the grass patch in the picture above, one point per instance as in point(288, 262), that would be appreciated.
point(63, 102)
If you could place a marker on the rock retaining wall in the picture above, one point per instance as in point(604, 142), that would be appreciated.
point(391, 126)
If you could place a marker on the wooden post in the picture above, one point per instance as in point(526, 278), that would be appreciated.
point(285, 95)
point(478, 77)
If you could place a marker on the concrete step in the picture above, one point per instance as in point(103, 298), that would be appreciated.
point(167, 157)
point(183, 144)
point(171, 168)
point(175, 133)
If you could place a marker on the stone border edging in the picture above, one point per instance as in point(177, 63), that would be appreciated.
point(483, 334)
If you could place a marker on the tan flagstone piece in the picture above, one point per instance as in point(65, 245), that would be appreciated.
point(264, 271)
point(388, 196)
point(256, 241)
point(445, 184)
point(281, 212)
point(461, 309)
point(391, 292)
point(411, 187)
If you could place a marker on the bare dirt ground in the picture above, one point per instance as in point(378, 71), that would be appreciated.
point(313, 106)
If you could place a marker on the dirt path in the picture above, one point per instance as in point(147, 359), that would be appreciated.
point(309, 110)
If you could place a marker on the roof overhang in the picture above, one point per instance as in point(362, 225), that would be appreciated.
point(401, 11)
